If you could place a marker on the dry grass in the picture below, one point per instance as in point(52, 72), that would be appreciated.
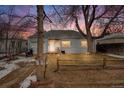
point(88, 77)
point(85, 77)
point(84, 59)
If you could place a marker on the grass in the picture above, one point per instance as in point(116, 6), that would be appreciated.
point(88, 77)
point(84, 58)
point(70, 77)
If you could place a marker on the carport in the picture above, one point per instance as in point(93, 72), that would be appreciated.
point(113, 44)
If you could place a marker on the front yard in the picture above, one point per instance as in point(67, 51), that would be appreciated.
point(111, 76)
point(72, 74)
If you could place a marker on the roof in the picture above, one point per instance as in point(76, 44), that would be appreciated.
point(61, 34)
point(112, 38)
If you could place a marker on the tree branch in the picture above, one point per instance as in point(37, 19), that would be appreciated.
point(57, 12)
point(107, 25)
point(92, 18)
point(46, 17)
point(78, 27)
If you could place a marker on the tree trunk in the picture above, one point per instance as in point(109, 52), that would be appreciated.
point(90, 45)
point(40, 33)
point(39, 42)
point(90, 41)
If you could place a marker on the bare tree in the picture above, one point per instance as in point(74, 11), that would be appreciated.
point(12, 25)
point(90, 15)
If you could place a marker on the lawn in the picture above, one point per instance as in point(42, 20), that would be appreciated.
point(82, 59)
point(72, 74)
point(73, 77)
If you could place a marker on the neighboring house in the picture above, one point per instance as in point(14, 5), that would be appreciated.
point(68, 41)
point(113, 43)
point(17, 45)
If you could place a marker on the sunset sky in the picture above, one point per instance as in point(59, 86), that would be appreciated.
point(31, 10)
point(22, 11)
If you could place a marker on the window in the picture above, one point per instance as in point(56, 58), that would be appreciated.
point(66, 44)
point(84, 43)
point(53, 45)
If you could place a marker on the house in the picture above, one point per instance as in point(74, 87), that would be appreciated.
point(113, 43)
point(13, 45)
point(68, 41)
point(71, 41)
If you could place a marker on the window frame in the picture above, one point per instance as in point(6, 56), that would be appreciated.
point(69, 44)
point(81, 43)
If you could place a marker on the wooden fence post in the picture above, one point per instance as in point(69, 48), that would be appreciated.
point(45, 67)
point(57, 64)
point(104, 63)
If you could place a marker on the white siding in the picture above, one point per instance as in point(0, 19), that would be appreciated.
point(32, 43)
point(74, 48)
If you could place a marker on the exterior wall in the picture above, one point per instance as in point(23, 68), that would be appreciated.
point(74, 48)
point(32, 44)
point(2, 46)
point(18, 47)
point(19, 44)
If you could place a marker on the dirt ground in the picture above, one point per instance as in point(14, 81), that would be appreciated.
point(72, 76)
point(89, 78)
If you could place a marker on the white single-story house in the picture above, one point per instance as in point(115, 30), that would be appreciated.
point(68, 41)
point(71, 41)
point(113, 43)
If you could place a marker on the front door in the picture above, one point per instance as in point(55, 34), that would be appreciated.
point(53, 46)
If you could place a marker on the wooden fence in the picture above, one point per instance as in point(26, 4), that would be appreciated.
point(103, 63)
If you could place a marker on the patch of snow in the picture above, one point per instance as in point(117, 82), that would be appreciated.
point(2, 55)
point(116, 56)
point(24, 59)
point(3, 61)
point(20, 59)
point(39, 62)
point(27, 82)
point(8, 68)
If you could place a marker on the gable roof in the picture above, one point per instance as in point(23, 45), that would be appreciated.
point(61, 34)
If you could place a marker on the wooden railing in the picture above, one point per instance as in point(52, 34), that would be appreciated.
point(102, 63)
